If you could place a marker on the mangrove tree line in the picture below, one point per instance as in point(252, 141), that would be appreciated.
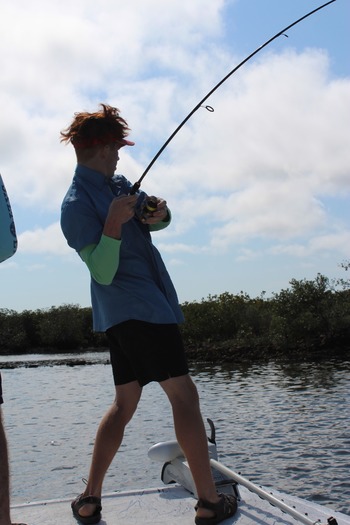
point(310, 316)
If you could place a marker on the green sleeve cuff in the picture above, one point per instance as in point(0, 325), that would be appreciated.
point(102, 259)
point(162, 224)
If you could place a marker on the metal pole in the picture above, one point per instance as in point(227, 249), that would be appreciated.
point(263, 494)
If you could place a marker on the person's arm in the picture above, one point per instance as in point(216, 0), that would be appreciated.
point(102, 259)
point(164, 223)
point(160, 218)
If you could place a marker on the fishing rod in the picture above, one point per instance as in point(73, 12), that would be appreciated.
point(137, 184)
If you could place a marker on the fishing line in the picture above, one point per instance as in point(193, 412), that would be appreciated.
point(137, 184)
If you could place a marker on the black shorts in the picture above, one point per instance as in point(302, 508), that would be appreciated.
point(146, 352)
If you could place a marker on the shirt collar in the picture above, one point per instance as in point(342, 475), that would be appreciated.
point(96, 178)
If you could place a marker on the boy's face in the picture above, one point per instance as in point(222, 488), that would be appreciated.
point(110, 155)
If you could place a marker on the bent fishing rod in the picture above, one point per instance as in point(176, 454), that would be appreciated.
point(137, 184)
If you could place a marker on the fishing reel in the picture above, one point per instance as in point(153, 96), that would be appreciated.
point(148, 207)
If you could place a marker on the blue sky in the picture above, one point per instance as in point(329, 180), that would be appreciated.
point(259, 189)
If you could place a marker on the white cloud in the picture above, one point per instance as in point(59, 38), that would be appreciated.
point(272, 152)
point(179, 248)
point(287, 119)
point(261, 167)
point(327, 244)
point(62, 57)
point(48, 240)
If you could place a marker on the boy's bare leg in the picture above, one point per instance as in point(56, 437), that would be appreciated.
point(190, 433)
point(109, 438)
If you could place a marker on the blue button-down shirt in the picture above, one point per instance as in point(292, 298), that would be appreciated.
point(141, 288)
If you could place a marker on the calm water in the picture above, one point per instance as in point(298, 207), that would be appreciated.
point(280, 425)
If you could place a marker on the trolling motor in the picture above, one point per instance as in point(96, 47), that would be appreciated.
point(176, 469)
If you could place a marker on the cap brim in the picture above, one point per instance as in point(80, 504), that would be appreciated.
point(124, 142)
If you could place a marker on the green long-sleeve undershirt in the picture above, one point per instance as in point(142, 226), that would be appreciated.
point(102, 259)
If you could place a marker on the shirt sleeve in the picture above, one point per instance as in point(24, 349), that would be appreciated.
point(102, 259)
point(162, 224)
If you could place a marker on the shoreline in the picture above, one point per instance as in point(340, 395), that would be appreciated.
point(206, 353)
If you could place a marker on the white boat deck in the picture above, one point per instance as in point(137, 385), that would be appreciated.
point(173, 505)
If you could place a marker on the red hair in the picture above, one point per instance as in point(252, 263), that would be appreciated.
point(88, 130)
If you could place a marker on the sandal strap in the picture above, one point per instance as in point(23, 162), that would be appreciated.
point(82, 500)
point(227, 505)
